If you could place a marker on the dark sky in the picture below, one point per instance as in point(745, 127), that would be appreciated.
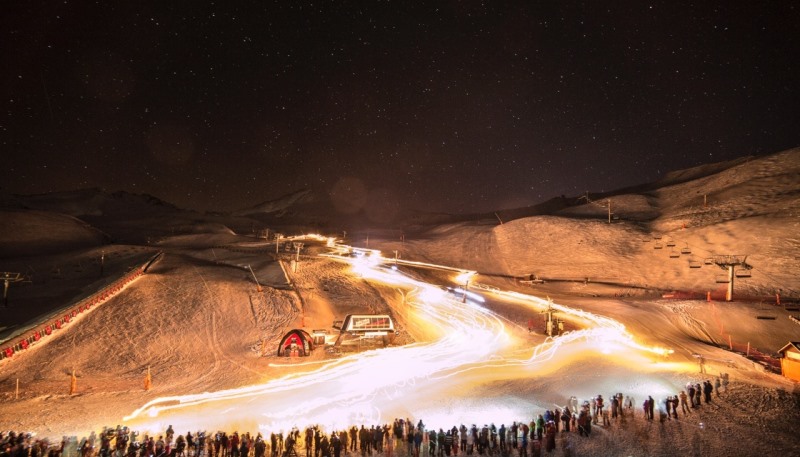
point(443, 106)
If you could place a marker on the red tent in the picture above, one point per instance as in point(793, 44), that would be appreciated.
point(297, 342)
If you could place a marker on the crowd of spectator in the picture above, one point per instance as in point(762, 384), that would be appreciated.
point(402, 437)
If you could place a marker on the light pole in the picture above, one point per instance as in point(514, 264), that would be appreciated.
point(8, 278)
point(297, 246)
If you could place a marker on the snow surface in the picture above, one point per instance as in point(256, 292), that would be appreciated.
point(197, 319)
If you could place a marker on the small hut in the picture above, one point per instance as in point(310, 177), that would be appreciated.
point(790, 360)
point(296, 343)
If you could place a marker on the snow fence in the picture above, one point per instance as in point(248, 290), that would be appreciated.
point(51, 325)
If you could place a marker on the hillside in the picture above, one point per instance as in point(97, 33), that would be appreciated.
point(207, 316)
point(753, 209)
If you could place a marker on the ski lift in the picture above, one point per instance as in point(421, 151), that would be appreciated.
point(722, 279)
point(673, 254)
point(695, 264)
point(744, 272)
point(671, 243)
point(656, 237)
point(708, 261)
point(686, 250)
point(658, 246)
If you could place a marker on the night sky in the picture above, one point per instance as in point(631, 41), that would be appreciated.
point(439, 106)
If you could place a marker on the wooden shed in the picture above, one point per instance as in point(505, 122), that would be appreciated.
point(790, 360)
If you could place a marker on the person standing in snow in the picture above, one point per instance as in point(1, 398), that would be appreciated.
point(614, 407)
point(483, 439)
point(248, 443)
point(540, 423)
point(234, 440)
point(684, 404)
point(260, 446)
point(550, 438)
point(456, 443)
point(698, 393)
point(336, 445)
point(309, 441)
point(343, 438)
point(566, 416)
point(317, 442)
point(629, 402)
point(501, 434)
point(598, 407)
point(326, 446)
point(411, 439)
point(708, 389)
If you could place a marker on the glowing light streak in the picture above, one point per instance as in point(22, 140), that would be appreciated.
point(361, 386)
point(607, 329)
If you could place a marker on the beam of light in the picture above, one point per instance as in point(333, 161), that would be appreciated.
point(469, 346)
point(612, 329)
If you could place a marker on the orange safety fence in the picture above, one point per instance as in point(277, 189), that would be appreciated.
point(751, 352)
point(45, 329)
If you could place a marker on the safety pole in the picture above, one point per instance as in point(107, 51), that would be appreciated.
point(73, 383)
point(148, 380)
point(254, 278)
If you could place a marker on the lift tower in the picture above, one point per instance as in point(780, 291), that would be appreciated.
point(729, 263)
point(9, 277)
point(553, 325)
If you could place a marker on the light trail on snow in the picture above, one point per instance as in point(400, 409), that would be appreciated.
point(469, 347)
